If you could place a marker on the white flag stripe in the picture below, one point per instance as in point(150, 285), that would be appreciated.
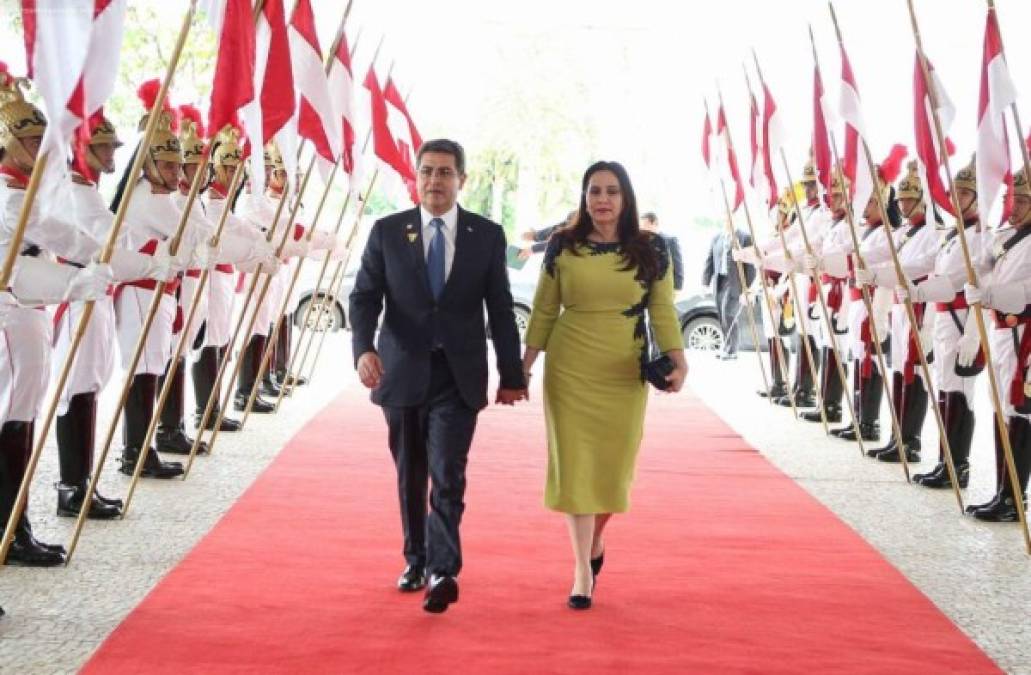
point(993, 160)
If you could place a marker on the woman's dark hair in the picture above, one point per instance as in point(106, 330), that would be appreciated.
point(637, 250)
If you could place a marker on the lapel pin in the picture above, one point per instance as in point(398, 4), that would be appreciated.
point(411, 233)
point(468, 229)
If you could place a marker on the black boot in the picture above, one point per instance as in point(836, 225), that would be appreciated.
point(15, 448)
point(959, 429)
point(248, 374)
point(830, 388)
point(911, 422)
point(847, 432)
point(75, 432)
point(868, 407)
point(284, 344)
point(804, 387)
point(171, 432)
point(139, 409)
point(205, 372)
point(897, 386)
point(778, 386)
point(1004, 506)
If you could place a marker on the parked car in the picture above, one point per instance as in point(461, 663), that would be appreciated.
point(700, 324)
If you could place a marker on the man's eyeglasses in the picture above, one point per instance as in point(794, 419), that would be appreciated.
point(440, 172)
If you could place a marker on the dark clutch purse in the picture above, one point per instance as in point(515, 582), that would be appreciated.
point(656, 370)
point(658, 365)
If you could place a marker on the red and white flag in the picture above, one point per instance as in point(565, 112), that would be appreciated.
point(275, 100)
point(755, 176)
point(735, 173)
point(341, 89)
point(772, 142)
point(997, 94)
point(383, 143)
point(72, 49)
point(821, 147)
point(851, 110)
point(707, 139)
point(930, 155)
point(406, 135)
point(317, 120)
point(233, 88)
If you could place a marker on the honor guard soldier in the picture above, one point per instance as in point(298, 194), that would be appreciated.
point(1006, 292)
point(955, 342)
point(917, 245)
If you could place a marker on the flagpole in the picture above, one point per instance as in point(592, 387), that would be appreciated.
point(274, 333)
point(976, 308)
point(87, 312)
point(341, 267)
point(766, 284)
point(184, 332)
point(994, 13)
point(131, 370)
point(216, 393)
point(14, 247)
point(278, 325)
point(860, 262)
point(914, 324)
point(291, 377)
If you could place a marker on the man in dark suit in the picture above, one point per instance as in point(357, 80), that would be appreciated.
point(435, 267)
point(721, 273)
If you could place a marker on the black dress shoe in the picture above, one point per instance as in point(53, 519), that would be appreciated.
point(27, 552)
point(178, 443)
point(269, 388)
point(441, 592)
point(1004, 511)
point(228, 423)
point(70, 498)
point(833, 415)
point(579, 602)
point(153, 466)
point(412, 579)
point(892, 456)
point(260, 405)
point(940, 478)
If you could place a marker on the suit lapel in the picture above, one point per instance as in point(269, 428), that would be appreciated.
point(416, 248)
point(463, 235)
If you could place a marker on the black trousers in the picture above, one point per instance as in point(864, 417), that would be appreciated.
point(430, 444)
point(728, 306)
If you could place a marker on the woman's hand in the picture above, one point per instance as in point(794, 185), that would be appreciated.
point(679, 374)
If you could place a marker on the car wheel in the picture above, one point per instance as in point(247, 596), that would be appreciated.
point(522, 319)
point(703, 334)
point(320, 321)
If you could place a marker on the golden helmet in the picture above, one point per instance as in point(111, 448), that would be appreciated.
point(102, 131)
point(164, 144)
point(18, 118)
point(836, 188)
point(227, 148)
point(809, 172)
point(911, 187)
point(787, 201)
point(273, 157)
point(191, 134)
point(1021, 186)
point(967, 176)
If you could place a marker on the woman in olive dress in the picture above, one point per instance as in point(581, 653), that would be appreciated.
point(601, 276)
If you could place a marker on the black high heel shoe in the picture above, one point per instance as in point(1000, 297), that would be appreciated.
point(579, 602)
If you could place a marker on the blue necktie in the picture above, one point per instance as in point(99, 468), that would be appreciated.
point(435, 259)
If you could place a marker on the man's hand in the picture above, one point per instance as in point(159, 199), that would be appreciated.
point(527, 235)
point(510, 396)
point(370, 369)
point(525, 253)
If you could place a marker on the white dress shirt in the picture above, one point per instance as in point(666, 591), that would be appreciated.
point(449, 230)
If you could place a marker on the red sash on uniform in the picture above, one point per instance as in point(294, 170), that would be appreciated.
point(958, 302)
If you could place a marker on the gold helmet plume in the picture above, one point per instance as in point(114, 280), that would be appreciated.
point(911, 187)
point(191, 134)
point(228, 149)
point(164, 144)
point(273, 157)
point(1021, 185)
point(967, 176)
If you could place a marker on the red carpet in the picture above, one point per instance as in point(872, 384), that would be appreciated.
point(722, 565)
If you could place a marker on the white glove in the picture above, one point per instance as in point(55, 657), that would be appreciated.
point(748, 255)
point(89, 283)
point(271, 265)
point(968, 346)
point(205, 256)
point(935, 289)
point(808, 264)
point(975, 296)
point(298, 248)
point(865, 277)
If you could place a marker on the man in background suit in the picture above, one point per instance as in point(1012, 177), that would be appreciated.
point(435, 267)
point(721, 273)
point(650, 223)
